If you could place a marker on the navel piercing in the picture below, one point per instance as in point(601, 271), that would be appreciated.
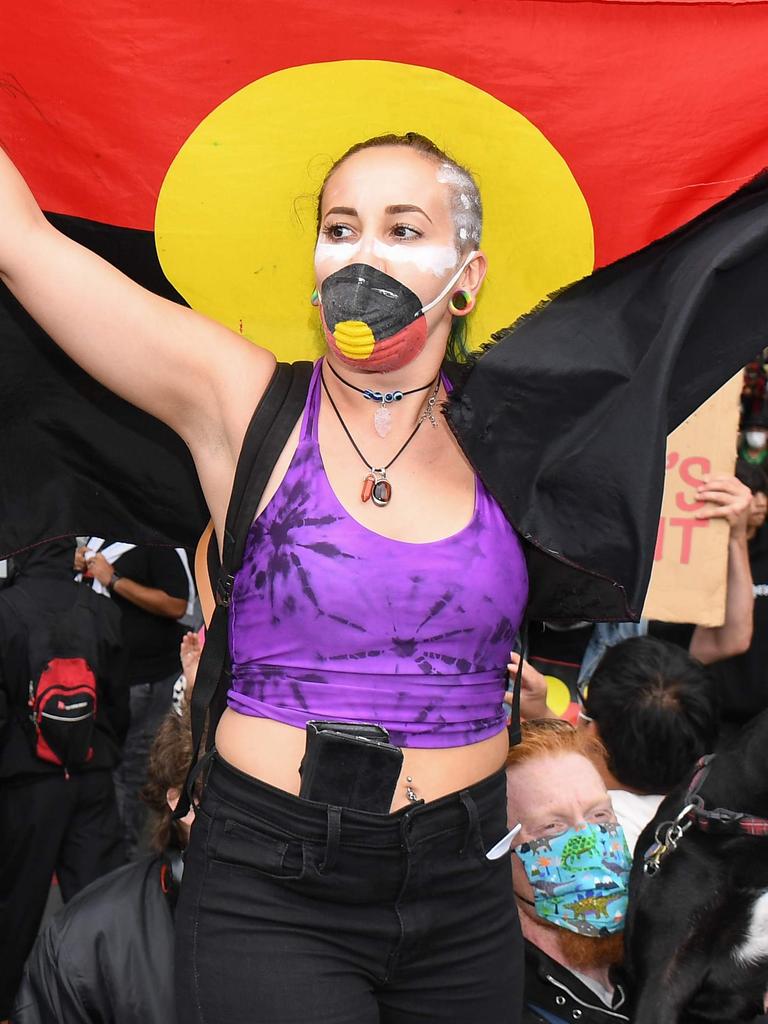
point(409, 792)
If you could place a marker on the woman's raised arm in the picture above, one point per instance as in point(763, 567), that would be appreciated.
point(196, 375)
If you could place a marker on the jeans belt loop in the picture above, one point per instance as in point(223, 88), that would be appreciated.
point(333, 839)
point(473, 819)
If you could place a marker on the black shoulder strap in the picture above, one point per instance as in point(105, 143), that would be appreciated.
point(264, 440)
point(514, 729)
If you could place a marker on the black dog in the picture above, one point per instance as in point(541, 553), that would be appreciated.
point(696, 935)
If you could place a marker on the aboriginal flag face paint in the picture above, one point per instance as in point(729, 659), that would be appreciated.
point(373, 320)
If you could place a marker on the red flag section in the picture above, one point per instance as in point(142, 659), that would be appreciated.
point(657, 108)
point(633, 117)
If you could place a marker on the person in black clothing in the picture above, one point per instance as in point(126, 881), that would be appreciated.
point(108, 956)
point(52, 818)
point(754, 444)
point(151, 588)
point(655, 710)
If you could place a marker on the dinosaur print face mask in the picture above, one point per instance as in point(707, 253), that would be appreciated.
point(580, 878)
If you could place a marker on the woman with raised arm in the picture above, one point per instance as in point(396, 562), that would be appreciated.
point(381, 585)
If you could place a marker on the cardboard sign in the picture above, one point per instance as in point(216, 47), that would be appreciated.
point(688, 583)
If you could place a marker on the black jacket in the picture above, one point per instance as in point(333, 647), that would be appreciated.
point(44, 589)
point(106, 957)
point(551, 988)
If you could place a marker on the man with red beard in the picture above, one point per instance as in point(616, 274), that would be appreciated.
point(570, 870)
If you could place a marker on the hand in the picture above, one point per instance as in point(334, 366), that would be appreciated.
point(533, 690)
point(101, 569)
point(729, 499)
point(80, 564)
point(190, 652)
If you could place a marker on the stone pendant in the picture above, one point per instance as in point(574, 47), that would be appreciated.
point(368, 483)
point(382, 420)
point(382, 492)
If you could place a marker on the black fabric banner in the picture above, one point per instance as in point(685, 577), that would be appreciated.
point(565, 417)
point(74, 458)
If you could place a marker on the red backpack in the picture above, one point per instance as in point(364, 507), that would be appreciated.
point(63, 702)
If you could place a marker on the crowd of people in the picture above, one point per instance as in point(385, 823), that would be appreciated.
point(649, 706)
point(92, 652)
point(291, 886)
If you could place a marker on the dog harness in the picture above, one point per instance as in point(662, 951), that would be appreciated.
point(330, 620)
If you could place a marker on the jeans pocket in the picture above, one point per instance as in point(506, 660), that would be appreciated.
point(245, 848)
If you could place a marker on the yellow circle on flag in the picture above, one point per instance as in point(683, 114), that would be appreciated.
point(235, 220)
point(558, 695)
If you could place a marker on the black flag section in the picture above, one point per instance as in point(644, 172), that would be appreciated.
point(75, 458)
point(565, 416)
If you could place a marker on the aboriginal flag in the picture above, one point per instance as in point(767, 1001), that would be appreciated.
point(654, 112)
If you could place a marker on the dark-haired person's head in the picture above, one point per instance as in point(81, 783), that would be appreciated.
point(755, 428)
point(756, 480)
point(655, 710)
point(169, 761)
point(51, 560)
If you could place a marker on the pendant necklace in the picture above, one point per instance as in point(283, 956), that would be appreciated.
point(382, 418)
point(376, 486)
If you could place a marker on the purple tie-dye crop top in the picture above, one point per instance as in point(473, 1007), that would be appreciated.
point(330, 620)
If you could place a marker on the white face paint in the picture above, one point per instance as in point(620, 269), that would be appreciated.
point(449, 175)
point(466, 212)
point(438, 259)
point(337, 252)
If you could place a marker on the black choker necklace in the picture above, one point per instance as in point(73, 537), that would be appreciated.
point(382, 418)
point(376, 487)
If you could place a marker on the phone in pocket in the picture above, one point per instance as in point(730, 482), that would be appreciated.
point(350, 764)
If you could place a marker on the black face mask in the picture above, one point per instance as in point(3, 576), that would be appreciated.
point(370, 319)
point(373, 320)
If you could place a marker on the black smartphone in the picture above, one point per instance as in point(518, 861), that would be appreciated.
point(350, 765)
point(365, 729)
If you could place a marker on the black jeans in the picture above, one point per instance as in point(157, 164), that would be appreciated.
point(293, 911)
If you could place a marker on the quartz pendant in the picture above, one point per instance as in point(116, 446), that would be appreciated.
point(382, 492)
point(368, 483)
point(382, 420)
